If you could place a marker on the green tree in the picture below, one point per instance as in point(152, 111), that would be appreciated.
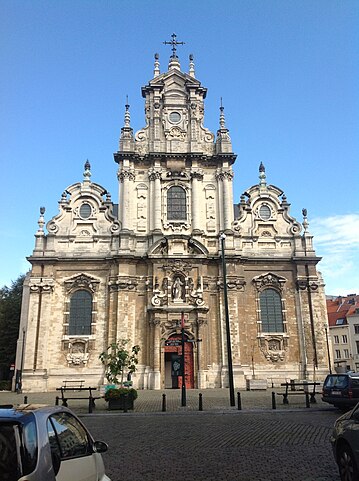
point(118, 359)
point(10, 310)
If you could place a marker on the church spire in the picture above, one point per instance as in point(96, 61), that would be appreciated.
point(126, 139)
point(222, 120)
point(223, 142)
point(127, 115)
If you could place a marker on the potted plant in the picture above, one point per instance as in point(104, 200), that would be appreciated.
point(118, 360)
point(120, 398)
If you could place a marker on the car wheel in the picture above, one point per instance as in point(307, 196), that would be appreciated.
point(346, 463)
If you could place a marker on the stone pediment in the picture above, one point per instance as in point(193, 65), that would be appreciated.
point(264, 214)
point(82, 281)
point(86, 211)
point(172, 76)
point(177, 245)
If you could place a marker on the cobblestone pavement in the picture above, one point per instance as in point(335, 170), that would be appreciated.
point(151, 401)
point(235, 446)
point(256, 443)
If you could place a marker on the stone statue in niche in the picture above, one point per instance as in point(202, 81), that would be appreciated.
point(177, 289)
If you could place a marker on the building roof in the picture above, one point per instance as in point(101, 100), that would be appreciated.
point(340, 308)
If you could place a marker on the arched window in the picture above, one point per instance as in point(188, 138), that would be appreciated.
point(80, 313)
point(271, 311)
point(176, 203)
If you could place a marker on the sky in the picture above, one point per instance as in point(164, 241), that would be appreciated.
point(287, 70)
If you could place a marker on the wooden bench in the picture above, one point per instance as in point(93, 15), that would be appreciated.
point(76, 386)
point(73, 383)
point(295, 388)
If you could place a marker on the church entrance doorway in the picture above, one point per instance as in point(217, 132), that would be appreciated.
point(173, 355)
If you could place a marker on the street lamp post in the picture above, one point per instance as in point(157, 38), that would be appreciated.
point(328, 349)
point(183, 390)
point(229, 348)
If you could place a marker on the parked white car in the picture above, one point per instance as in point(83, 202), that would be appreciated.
point(47, 443)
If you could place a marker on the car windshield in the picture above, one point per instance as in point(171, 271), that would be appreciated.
point(336, 381)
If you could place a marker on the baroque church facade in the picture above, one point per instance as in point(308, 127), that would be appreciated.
point(103, 271)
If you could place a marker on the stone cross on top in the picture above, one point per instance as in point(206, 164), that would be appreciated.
point(174, 44)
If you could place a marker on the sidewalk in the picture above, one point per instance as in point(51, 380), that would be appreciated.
point(151, 401)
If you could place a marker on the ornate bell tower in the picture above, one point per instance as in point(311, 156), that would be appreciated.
point(175, 196)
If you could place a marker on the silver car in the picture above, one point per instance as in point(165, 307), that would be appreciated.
point(47, 443)
point(345, 444)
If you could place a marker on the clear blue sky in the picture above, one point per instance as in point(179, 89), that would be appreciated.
point(287, 70)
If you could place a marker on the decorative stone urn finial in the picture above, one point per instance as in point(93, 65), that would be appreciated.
point(156, 71)
point(87, 173)
point(191, 66)
point(305, 222)
point(41, 221)
point(262, 175)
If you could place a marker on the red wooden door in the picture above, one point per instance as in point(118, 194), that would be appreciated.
point(188, 359)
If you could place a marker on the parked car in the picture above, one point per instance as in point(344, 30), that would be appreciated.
point(341, 390)
point(47, 443)
point(345, 444)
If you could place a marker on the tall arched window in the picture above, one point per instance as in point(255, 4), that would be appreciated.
point(176, 203)
point(80, 313)
point(271, 311)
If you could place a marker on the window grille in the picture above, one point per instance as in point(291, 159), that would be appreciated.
point(176, 204)
point(80, 313)
point(271, 311)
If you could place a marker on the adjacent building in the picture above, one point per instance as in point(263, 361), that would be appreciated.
point(343, 319)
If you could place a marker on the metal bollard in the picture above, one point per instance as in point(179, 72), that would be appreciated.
point(307, 403)
point(200, 403)
point(90, 405)
point(239, 401)
point(125, 404)
point(25, 399)
point(274, 405)
point(163, 402)
point(57, 401)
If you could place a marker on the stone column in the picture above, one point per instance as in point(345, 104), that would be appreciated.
point(35, 361)
point(197, 176)
point(220, 200)
point(125, 176)
point(120, 178)
point(228, 217)
point(157, 211)
point(155, 355)
point(150, 202)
